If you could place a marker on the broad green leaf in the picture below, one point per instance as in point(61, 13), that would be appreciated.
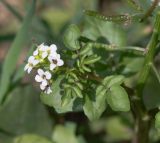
point(71, 37)
point(55, 98)
point(24, 113)
point(30, 138)
point(157, 120)
point(95, 104)
point(112, 80)
point(95, 29)
point(118, 99)
point(66, 133)
point(132, 65)
point(14, 52)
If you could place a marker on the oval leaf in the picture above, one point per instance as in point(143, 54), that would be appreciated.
point(118, 99)
point(71, 37)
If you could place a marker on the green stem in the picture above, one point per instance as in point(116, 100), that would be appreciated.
point(149, 56)
point(142, 117)
point(136, 50)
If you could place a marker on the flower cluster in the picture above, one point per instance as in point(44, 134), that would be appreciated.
point(44, 57)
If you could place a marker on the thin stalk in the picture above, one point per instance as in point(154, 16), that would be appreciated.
point(151, 48)
point(142, 117)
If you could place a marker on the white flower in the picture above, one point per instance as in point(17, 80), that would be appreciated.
point(31, 63)
point(43, 50)
point(55, 61)
point(43, 78)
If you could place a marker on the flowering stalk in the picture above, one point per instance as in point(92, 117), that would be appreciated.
point(44, 57)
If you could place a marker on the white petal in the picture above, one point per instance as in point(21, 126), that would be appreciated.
point(38, 78)
point(53, 47)
point(50, 58)
point(44, 82)
point(40, 72)
point(40, 47)
point(35, 53)
point(35, 62)
point(42, 87)
point(58, 56)
point(43, 47)
point(31, 59)
point(29, 69)
point(53, 54)
point(48, 75)
point(60, 62)
point(44, 54)
point(52, 66)
point(26, 67)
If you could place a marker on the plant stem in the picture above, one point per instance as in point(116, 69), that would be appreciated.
point(142, 116)
point(149, 56)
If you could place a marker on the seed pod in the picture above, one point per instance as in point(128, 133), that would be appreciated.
point(77, 91)
point(66, 85)
point(85, 68)
point(66, 98)
point(92, 59)
point(86, 49)
point(78, 63)
point(71, 80)
point(79, 85)
point(73, 75)
point(115, 18)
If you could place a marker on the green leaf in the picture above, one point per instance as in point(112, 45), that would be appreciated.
point(14, 52)
point(65, 133)
point(24, 113)
point(157, 120)
point(118, 99)
point(112, 80)
point(71, 37)
point(95, 29)
point(31, 138)
point(55, 98)
point(95, 104)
